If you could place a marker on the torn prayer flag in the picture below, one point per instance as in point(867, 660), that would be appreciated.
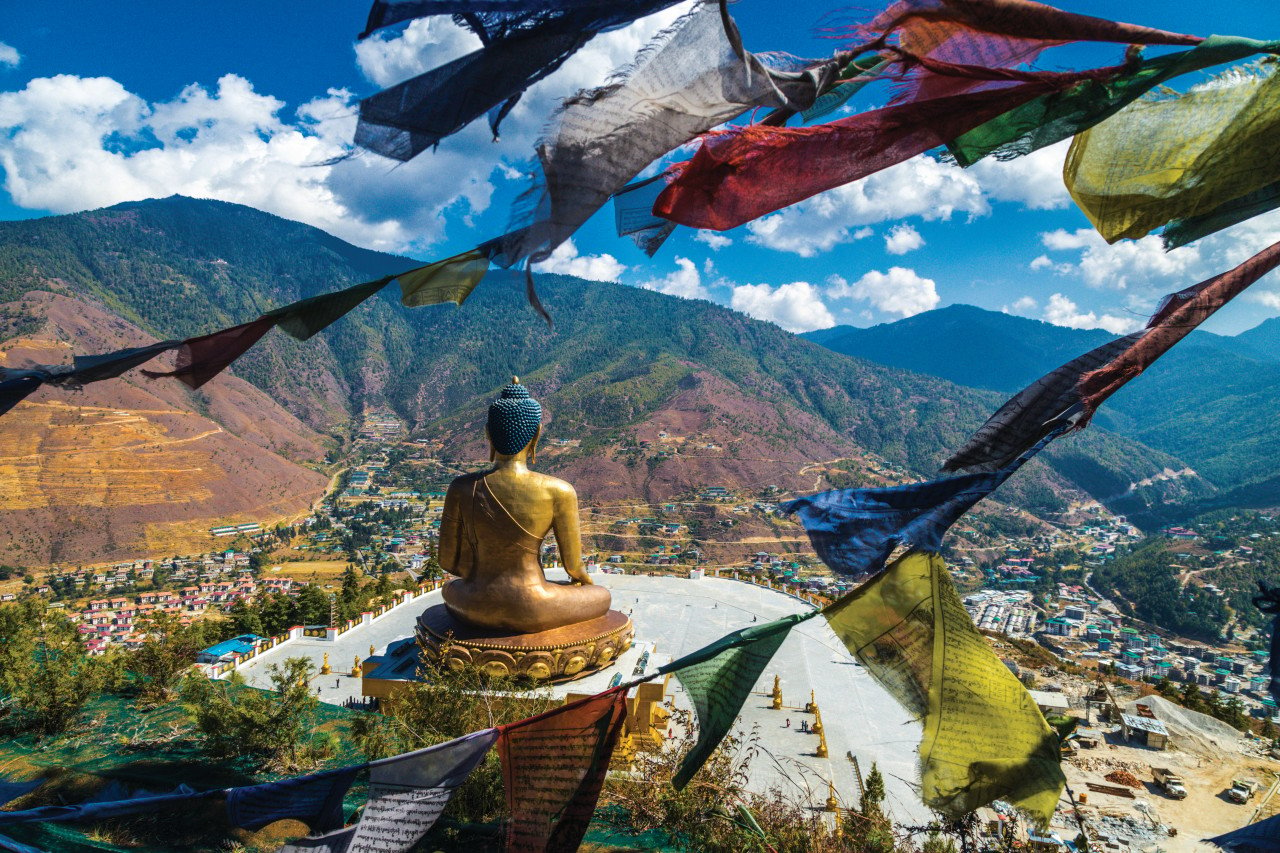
point(1059, 115)
point(408, 792)
point(1168, 158)
point(450, 280)
point(984, 738)
point(523, 42)
point(93, 368)
point(690, 78)
point(855, 531)
point(553, 766)
point(742, 173)
point(315, 799)
point(1079, 387)
point(204, 357)
point(718, 679)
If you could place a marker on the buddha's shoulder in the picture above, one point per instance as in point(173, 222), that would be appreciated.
point(555, 484)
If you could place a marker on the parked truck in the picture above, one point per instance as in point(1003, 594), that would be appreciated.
point(1170, 782)
point(1242, 790)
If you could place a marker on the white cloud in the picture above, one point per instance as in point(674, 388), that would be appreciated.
point(9, 56)
point(1061, 311)
point(713, 239)
point(70, 143)
point(565, 260)
point(919, 187)
point(796, 307)
point(900, 291)
point(1044, 262)
point(1034, 181)
point(685, 281)
point(1021, 305)
point(1269, 298)
point(902, 239)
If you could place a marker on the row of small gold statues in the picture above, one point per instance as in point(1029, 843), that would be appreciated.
point(356, 671)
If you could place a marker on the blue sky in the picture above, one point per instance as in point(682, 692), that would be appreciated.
point(238, 100)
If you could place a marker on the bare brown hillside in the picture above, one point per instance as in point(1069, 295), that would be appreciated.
point(136, 466)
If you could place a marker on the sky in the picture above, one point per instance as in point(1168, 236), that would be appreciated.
point(241, 101)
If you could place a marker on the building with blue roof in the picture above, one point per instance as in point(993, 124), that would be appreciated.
point(227, 650)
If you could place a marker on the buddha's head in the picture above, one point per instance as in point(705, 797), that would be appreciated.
point(515, 422)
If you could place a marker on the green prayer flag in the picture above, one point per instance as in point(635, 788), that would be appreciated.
point(305, 318)
point(1059, 115)
point(984, 738)
point(450, 280)
point(1180, 232)
point(719, 677)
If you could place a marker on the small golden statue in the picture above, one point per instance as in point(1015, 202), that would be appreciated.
point(500, 612)
point(324, 669)
point(777, 693)
point(355, 667)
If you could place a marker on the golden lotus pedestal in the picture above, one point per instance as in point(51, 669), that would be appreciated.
point(561, 654)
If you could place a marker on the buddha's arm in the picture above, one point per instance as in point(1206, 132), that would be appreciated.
point(568, 537)
point(450, 534)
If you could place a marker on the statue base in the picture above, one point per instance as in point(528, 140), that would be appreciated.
point(561, 654)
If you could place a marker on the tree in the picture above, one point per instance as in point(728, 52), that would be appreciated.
point(245, 618)
point(169, 650)
point(313, 605)
point(1191, 697)
point(45, 670)
point(273, 725)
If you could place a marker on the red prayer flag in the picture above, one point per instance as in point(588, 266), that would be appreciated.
point(553, 766)
point(200, 359)
point(1178, 316)
point(743, 173)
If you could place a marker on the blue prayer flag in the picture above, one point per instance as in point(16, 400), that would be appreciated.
point(855, 530)
point(316, 799)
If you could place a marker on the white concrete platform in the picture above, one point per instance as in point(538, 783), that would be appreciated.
point(673, 617)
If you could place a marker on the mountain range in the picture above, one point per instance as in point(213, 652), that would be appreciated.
point(1212, 401)
point(137, 465)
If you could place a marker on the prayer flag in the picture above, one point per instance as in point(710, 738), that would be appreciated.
point(92, 368)
point(1059, 115)
point(984, 738)
point(450, 280)
point(143, 802)
point(316, 799)
point(1168, 158)
point(855, 530)
point(306, 317)
point(523, 42)
point(407, 793)
point(1260, 837)
point(553, 766)
point(1180, 232)
point(719, 678)
point(1084, 383)
point(742, 173)
point(7, 843)
point(204, 357)
point(690, 78)
point(331, 842)
point(18, 384)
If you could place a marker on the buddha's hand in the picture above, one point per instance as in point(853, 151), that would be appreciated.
point(583, 579)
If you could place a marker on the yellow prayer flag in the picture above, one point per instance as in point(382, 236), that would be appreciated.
point(450, 280)
point(1177, 156)
point(984, 737)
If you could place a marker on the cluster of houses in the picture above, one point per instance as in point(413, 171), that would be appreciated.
point(1084, 633)
point(1008, 612)
point(107, 621)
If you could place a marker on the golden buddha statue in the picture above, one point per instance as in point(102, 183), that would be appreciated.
point(500, 611)
point(493, 525)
